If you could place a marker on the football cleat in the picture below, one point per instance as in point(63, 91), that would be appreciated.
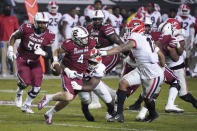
point(117, 117)
point(142, 114)
point(133, 107)
point(150, 118)
point(94, 105)
point(173, 108)
point(18, 100)
point(43, 102)
point(26, 108)
point(48, 119)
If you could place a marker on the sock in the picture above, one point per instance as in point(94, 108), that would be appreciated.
point(189, 98)
point(28, 100)
point(172, 95)
point(51, 111)
point(19, 91)
point(139, 100)
point(151, 107)
point(110, 108)
point(121, 98)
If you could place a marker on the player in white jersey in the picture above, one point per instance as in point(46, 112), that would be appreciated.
point(155, 16)
point(148, 72)
point(54, 19)
point(92, 78)
point(116, 19)
point(85, 20)
point(69, 21)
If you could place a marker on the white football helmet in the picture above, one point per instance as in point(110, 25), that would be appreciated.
point(80, 35)
point(184, 10)
point(94, 62)
point(166, 28)
point(40, 17)
point(52, 7)
point(98, 14)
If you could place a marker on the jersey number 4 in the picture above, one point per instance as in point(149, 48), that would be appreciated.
point(81, 58)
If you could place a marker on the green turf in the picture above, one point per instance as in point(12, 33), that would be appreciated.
point(71, 118)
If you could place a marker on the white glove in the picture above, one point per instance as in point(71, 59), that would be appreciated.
point(97, 52)
point(103, 52)
point(70, 73)
point(76, 86)
point(11, 55)
point(39, 51)
point(55, 61)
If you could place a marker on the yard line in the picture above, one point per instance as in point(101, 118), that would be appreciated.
point(98, 127)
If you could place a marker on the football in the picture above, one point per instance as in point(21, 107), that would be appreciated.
point(57, 70)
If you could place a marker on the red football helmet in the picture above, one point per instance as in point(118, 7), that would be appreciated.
point(136, 26)
point(52, 7)
point(175, 23)
point(184, 10)
point(142, 9)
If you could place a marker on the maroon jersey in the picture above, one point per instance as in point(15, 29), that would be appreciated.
point(30, 41)
point(101, 35)
point(77, 57)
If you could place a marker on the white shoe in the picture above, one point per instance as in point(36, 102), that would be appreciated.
point(142, 114)
point(26, 108)
point(173, 108)
point(48, 118)
point(18, 100)
point(107, 116)
point(94, 105)
point(43, 102)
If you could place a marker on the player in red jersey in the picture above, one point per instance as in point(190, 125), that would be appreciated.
point(106, 39)
point(33, 39)
point(75, 62)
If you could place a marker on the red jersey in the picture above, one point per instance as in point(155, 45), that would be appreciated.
point(30, 41)
point(77, 57)
point(8, 24)
point(101, 35)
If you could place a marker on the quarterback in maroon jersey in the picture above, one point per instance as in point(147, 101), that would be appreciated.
point(75, 62)
point(33, 38)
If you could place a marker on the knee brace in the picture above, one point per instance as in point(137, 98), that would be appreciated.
point(176, 84)
point(33, 92)
point(22, 85)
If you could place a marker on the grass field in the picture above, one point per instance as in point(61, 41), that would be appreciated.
point(71, 118)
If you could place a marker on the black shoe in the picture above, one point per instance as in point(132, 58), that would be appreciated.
point(133, 107)
point(150, 118)
point(195, 104)
point(117, 117)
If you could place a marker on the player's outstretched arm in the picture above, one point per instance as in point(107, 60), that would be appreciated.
point(14, 36)
point(115, 39)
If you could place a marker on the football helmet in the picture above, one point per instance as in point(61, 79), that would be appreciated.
point(98, 14)
point(52, 7)
point(157, 7)
point(40, 17)
point(166, 28)
point(97, 18)
point(184, 10)
point(80, 35)
point(175, 23)
point(142, 9)
point(94, 62)
point(136, 26)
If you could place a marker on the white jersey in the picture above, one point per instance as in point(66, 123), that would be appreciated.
point(116, 22)
point(82, 21)
point(170, 62)
point(143, 54)
point(186, 23)
point(155, 16)
point(53, 21)
point(98, 72)
point(71, 22)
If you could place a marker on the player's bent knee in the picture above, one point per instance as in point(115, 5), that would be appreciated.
point(33, 92)
point(22, 85)
point(123, 84)
point(68, 96)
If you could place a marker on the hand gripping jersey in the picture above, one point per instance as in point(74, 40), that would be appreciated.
point(30, 41)
point(77, 57)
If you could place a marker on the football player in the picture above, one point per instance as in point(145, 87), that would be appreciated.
point(34, 37)
point(74, 64)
